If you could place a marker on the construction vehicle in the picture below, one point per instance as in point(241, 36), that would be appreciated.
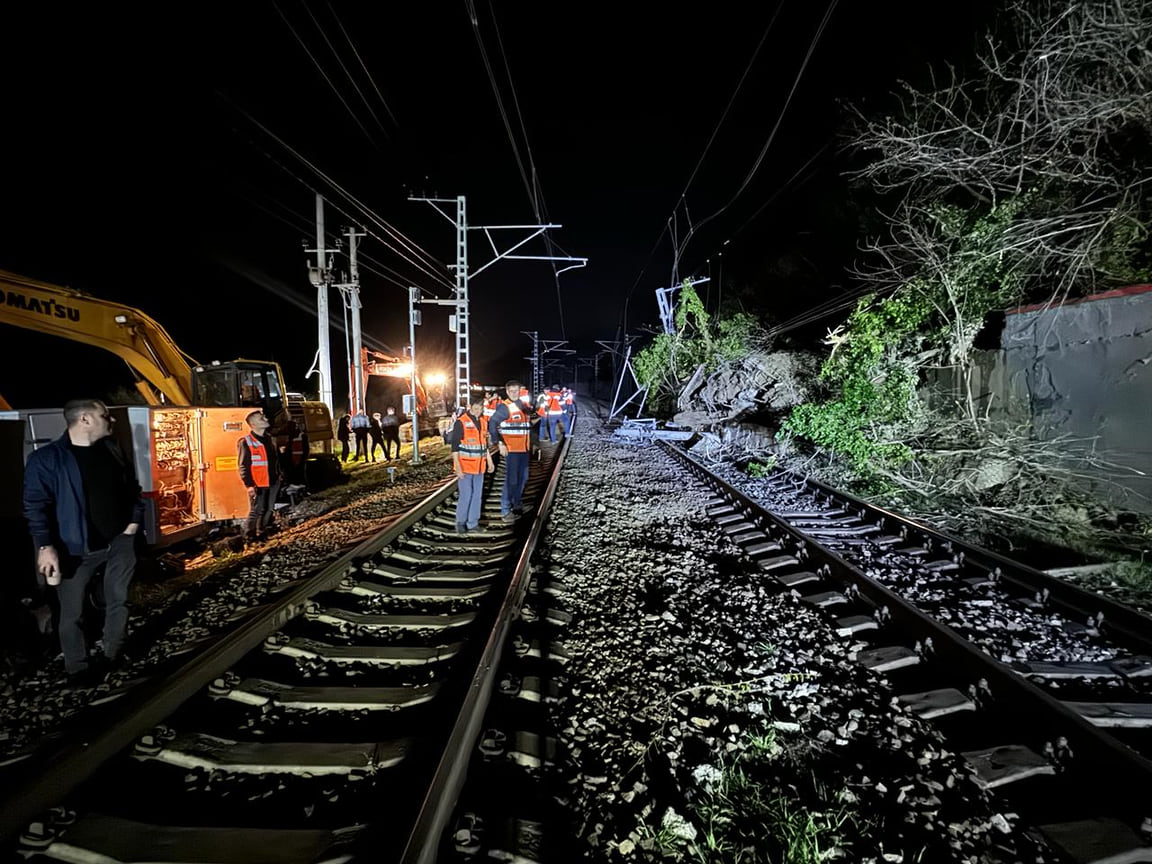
point(184, 441)
point(164, 374)
point(389, 384)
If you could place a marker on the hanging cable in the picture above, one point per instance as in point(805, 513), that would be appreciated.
point(812, 43)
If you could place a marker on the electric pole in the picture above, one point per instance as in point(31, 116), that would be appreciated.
point(459, 321)
point(320, 274)
point(350, 293)
point(413, 320)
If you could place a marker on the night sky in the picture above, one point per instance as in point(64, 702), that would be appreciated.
point(135, 167)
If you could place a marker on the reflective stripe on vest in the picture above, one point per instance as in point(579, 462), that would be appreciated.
point(259, 461)
point(515, 429)
point(473, 452)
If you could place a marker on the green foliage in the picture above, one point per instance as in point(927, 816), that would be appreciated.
point(761, 469)
point(670, 359)
point(873, 370)
point(746, 800)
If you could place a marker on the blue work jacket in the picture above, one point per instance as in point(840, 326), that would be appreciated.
point(54, 502)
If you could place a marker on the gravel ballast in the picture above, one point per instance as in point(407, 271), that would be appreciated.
point(712, 717)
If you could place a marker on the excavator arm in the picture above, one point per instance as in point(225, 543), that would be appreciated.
point(163, 372)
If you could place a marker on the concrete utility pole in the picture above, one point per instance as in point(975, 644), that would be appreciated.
point(460, 318)
point(413, 320)
point(320, 274)
point(350, 292)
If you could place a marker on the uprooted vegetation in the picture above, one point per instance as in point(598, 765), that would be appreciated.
point(1019, 184)
point(1022, 183)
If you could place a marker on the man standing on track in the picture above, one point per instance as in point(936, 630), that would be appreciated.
point(510, 428)
point(471, 460)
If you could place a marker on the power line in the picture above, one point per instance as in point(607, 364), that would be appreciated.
point(320, 69)
point(812, 43)
point(533, 188)
point(410, 245)
point(344, 68)
point(371, 80)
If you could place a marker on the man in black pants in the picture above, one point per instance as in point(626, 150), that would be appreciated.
point(390, 428)
point(83, 507)
point(259, 466)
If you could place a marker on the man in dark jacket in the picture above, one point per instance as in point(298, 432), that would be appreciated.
point(259, 466)
point(390, 429)
point(83, 506)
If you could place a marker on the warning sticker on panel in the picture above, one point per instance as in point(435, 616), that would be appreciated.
point(226, 463)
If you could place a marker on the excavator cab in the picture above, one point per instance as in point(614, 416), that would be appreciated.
point(247, 383)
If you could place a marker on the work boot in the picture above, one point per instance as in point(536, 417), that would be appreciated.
point(91, 676)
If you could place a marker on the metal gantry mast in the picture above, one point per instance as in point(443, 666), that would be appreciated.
point(668, 305)
point(460, 318)
point(534, 359)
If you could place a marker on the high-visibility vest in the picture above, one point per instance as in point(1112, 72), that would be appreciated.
point(490, 407)
point(516, 429)
point(552, 401)
point(567, 398)
point(259, 460)
point(473, 447)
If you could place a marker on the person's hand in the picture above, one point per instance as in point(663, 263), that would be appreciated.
point(251, 493)
point(491, 466)
point(503, 449)
point(48, 565)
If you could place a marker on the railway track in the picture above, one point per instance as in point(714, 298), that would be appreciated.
point(331, 725)
point(1065, 738)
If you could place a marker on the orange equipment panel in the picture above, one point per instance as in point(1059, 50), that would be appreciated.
point(224, 494)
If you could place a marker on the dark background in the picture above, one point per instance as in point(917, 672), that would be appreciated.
point(133, 167)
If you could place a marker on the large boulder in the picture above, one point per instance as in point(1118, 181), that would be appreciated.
point(761, 382)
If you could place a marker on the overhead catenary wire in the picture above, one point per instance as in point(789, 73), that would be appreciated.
point(323, 74)
point(692, 176)
point(532, 186)
point(812, 43)
point(344, 68)
point(359, 60)
point(302, 224)
point(424, 261)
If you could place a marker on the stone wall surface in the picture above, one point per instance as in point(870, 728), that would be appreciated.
point(1082, 371)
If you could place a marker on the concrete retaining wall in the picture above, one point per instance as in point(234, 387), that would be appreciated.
point(1083, 370)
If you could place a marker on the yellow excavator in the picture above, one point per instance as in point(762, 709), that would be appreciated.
point(166, 375)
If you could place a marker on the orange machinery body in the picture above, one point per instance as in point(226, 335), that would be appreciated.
point(186, 461)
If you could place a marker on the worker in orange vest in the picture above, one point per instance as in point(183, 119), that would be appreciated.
point(471, 460)
point(510, 428)
point(259, 467)
point(552, 413)
point(491, 400)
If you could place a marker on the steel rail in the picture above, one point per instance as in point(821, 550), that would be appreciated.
point(425, 837)
point(1113, 768)
point(1124, 623)
point(82, 755)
